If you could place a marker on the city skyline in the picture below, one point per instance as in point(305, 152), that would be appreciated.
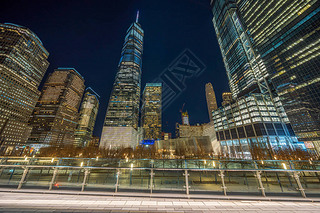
point(246, 71)
point(104, 47)
point(184, 100)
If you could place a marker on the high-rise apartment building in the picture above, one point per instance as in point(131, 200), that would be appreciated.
point(211, 99)
point(151, 111)
point(285, 38)
point(23, 63)
point(121, 121)
point(88, 114)
point(55, 117)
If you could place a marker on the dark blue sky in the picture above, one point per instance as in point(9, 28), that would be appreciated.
point(88, 35)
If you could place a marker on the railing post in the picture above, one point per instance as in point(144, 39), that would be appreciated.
point(151, 180)
point(223, 184)
point(301, 189)
point(117, 182)
point(25, 172)
point(86, 173)
point(55, 171)
point(187, 181)
point(258, 175)
point(1, 170)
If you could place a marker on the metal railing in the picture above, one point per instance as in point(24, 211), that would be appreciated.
point(225, 177)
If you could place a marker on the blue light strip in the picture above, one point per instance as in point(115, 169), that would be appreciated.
point(154, 85)
point(68, 68)
point(32, 33)
point(89, 88)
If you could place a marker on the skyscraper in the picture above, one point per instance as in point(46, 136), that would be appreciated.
point(151, 111)
point(88, 114)
point(286, 36)
point(23, 63)
point(211, 99)
point(55, 117)
point(245, 70)
point(282, 37)
point(250, 84)
point(122, 116)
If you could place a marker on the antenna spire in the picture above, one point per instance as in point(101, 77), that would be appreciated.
point(137, 19)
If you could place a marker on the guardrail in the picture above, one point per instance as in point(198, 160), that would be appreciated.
point(269, 177)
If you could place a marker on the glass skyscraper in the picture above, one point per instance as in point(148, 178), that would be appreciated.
point(245, 70)
point(284, 36)
point(249, 73)
point(122, 115)
point(23, 63)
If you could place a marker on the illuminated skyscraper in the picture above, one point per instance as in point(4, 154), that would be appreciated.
point(23, 63)
point(88, 114)
point(121, 121)
point(226, 98)
point(55, 117)
point(211, 99)
point(151, 111)
point(284, 36)
point(245, 70)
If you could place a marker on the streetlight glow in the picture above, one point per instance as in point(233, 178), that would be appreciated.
point(284, 165)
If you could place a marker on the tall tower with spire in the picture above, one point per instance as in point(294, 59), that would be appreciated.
point(211, 99)
point(121, 121)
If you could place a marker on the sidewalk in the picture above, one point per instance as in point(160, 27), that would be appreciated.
point(165, 195)
point(58, 202)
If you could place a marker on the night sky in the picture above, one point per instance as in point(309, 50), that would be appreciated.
point(88, 35)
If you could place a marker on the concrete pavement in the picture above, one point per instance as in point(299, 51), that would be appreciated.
point(34, 202)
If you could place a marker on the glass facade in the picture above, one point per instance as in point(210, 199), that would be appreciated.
point(252, 123)
point(23, 63)
point(211, 99)
point(286, 34)
point(124, 102)
point(245, 70)
point(55, 117)
point(123, 107)
point(283, 36)
point(88, 114)
point(151, 111)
